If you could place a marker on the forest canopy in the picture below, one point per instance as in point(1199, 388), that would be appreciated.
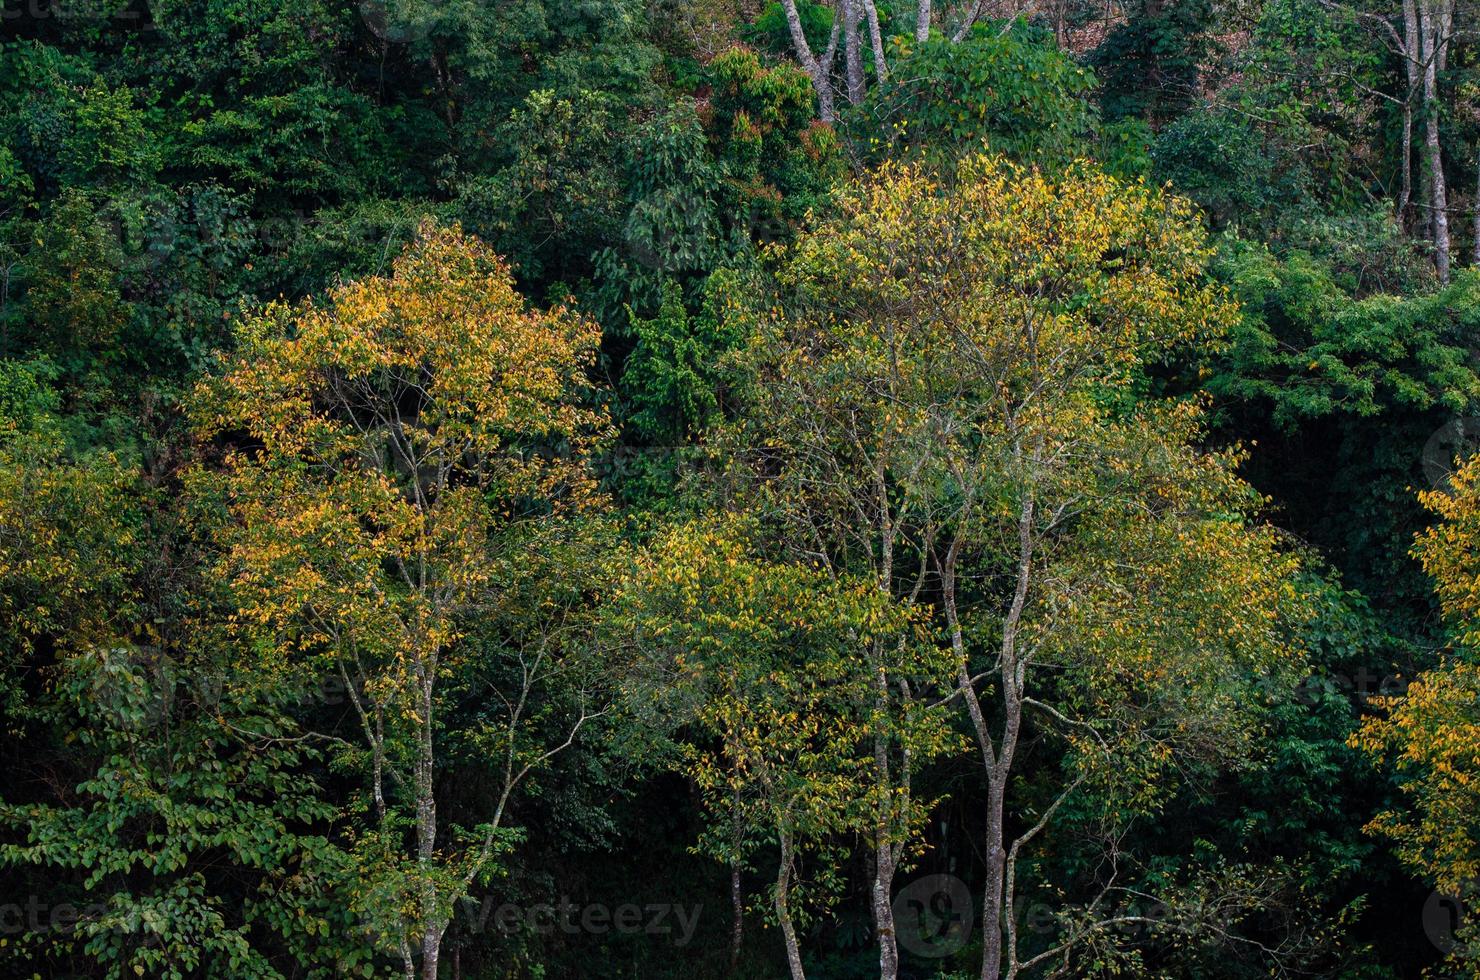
point(733, 488)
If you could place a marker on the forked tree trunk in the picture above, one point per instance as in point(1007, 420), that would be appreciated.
point(820, 71)
point(997, 756)
point(968, 21)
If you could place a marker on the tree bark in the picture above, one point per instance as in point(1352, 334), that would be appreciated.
point(1432, 19)
point(853, 51)
point(885, 856)
point(1013, 674)
point(996, 855)
point(884, 866)
point(1412, 59)
point(737, 913)
point(969, 22)
point(783, 908)
point(996, 760)
point(426, 835)
point(881, 68)
point(1405, 190)
point(820, 71)
point(922, 21)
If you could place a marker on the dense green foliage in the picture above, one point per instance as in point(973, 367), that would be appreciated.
point(688, 488)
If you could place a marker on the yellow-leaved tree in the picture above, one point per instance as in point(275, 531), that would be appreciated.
point(1431, 734)
point(948, 397)
point(405, 505)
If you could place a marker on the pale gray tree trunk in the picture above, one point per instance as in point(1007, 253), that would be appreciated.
point(884, 867)
point(886, 857)
point(997, 758)
point(881, 69)
point(922, 21)
point(1433, 15)
point(1412, 60)
point(853, 50)
point(996, 854)
point(820, 71)
point(426, 833)
point(783, 908)
point(968, 22)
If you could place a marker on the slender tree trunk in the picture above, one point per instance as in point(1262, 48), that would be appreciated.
point(853, 50)
point(992, 893)
point(881, 68)
point(426, 836)
point(1405, 190)
point(1445, 10)
point(968, 22)
point(1412, 62)
point(1432, 21)
point(1013, 677)
point(737, 913)
point(922, 21)
point(737, 893)
point(996, 759)
point(1412, 70)
point(996, 855)
point(885, 858)
point(884, 911)
point(783, 908)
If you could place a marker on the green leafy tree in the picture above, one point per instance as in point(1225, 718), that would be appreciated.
point(158, 838)
point(1011, 90)
point(1429, 735)
point(760, 662)
point(1151, 63)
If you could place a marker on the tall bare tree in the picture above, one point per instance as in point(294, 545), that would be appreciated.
point(819, 69)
